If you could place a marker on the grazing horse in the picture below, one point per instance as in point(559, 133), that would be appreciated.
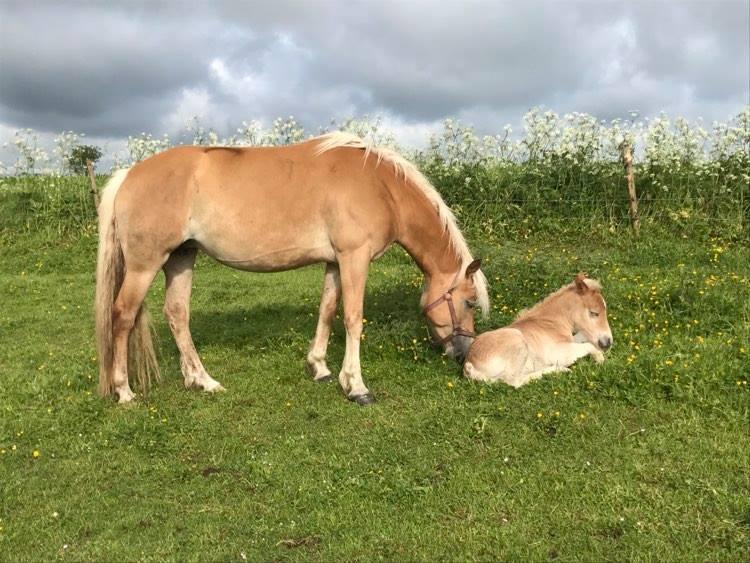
point(333, 199)
point(567, 325)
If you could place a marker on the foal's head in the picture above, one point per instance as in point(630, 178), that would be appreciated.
point(590, 313)
point(450, 316)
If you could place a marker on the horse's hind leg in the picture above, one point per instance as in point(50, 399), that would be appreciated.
point(316, 357)
point(178, 271)
point(129, 299)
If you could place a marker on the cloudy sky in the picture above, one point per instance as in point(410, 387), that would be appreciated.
point(113, 69)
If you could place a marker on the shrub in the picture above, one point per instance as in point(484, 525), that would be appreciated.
point(80, 155)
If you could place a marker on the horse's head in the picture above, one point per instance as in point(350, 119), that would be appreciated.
point(450, 314)
point(590, 313)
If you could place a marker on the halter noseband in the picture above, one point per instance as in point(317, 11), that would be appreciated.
point(457, 330)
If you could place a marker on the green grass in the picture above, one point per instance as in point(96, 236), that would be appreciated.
point(644, 457)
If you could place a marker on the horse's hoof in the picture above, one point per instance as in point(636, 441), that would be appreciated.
point(324, 379)
point(124, 397)
point(204, 383)
point(363, 400)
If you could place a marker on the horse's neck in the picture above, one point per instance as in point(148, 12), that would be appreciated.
point(550, 312)
point(423, 236)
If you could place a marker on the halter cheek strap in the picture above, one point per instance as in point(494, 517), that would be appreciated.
point(457, 330)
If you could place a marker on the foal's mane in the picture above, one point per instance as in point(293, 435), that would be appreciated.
point(411, 173)
point(593, 285)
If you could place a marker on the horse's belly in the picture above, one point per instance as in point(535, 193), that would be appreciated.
point(278, 260)
point(265, 250)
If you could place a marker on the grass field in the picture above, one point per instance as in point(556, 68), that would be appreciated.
point(642, 458)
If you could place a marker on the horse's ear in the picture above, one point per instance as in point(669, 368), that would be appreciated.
point(580, 282)
point(473, 267)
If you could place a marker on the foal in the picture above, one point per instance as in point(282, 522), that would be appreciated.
point(567, 325)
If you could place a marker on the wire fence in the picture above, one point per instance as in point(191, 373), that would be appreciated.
point(65, 204)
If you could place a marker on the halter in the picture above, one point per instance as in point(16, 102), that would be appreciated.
point(457, 330)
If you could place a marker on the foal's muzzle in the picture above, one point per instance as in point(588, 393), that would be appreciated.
point(605, 342)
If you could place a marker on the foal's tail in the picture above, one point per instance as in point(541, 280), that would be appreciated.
point(110, 272)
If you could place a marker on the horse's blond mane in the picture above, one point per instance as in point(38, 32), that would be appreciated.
point(411, 173)
point(594, 285)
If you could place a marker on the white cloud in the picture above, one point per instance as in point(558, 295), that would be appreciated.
point(246, 86)
point(412, 135)
point(193, 102)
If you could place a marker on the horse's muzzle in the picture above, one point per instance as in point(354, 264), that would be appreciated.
point(605, 342)
point(461, 345)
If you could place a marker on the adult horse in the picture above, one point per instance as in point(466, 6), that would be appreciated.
point(333, 199)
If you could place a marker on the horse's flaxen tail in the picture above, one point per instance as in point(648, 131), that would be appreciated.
point(110, 272)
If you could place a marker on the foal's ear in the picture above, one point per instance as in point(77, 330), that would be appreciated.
point(473, 267)
point(580, 282)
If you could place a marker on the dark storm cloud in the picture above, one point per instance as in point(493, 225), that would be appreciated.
point(107, 69)
point(702, 44)
point(131, 67)
point(434, 63)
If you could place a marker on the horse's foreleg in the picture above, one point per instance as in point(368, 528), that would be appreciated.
point(132, 292)
point(178, 271)
point(353, 267)
point(316, 357)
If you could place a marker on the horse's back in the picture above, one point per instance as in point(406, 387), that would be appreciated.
point(288, 206)
point(259, 208)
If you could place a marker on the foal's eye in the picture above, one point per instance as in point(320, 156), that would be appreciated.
point(593, 314)
point(471, 304)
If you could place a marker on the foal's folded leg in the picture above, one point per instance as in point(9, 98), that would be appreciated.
point(567, 353)
point(532, 375)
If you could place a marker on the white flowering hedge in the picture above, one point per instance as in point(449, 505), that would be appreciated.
point(577, 138)
point(567, 166)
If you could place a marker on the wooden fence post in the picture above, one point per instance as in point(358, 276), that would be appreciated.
point(94, 189)
point(627, 159)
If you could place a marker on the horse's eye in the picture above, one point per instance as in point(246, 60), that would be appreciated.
point(593, 314)
point(471, 303)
